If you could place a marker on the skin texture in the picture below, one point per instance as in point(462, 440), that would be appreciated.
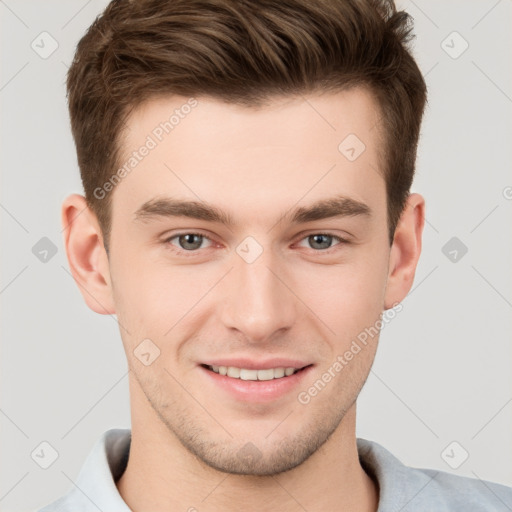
point(190, 438)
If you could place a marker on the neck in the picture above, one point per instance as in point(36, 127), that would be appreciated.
point(162, 476)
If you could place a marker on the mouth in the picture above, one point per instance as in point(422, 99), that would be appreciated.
point(256, 385)
point(263, 374)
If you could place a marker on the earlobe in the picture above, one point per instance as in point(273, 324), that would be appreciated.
point(86, 255)
point(405, 251)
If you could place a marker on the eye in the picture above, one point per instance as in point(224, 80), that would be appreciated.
point(323, 241)
point(191, 243)
point(187, 242)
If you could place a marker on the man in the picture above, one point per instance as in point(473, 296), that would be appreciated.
point(247, 215)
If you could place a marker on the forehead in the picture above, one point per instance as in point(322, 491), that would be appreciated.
point(290, 148)
point(277, 119)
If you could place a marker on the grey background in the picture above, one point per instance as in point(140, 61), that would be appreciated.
point(443, 370)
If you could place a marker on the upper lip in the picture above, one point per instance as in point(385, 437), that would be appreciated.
point(252, 364)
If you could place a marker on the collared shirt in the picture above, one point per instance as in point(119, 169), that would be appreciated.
point(401, 488)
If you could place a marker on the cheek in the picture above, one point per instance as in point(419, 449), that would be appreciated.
point(142, 296)
point(154, 298)
point(348, 297)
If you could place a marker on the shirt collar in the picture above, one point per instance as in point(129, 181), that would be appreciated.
point(95, 488)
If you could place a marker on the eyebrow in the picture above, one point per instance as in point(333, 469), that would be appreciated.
point(338, 206)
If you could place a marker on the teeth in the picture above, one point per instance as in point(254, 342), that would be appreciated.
point(233, 372)
point(245, 374)
point(248, 374)
point(265, 374)
point(278, 373)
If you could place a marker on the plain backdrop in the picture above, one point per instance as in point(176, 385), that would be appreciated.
point(443, 369)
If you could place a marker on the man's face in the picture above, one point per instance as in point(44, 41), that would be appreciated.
point(264, 292)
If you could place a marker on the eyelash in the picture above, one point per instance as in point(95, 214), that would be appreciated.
point(193, 253)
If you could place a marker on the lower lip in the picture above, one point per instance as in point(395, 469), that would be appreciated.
point(257, 390)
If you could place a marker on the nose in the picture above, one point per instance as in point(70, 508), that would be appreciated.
point(259, 301)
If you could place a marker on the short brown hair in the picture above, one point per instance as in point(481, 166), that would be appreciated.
point(242, 51)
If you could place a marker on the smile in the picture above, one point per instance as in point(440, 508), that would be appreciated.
point(253, 374)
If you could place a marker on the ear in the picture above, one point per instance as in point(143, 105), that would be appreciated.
point(86, 254)
point(405, 250)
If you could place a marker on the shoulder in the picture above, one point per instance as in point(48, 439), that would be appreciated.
point(95, 487)
point(71, 501)
point(471, 494)
point(407, 489)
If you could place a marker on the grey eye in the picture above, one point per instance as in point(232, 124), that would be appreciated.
point(190, 241)
point(320, 241)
